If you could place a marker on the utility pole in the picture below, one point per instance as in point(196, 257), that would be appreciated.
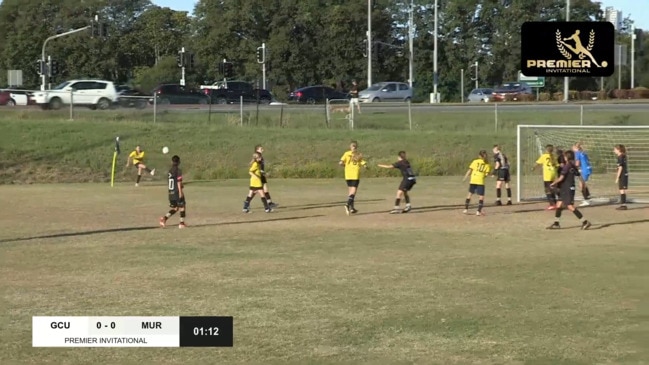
point(182, 64)
point(435, 74)
point(261, 58)
point(411, 41)
point(369, 43)
point(476, 79)
point(566, 80)
point(49, 72)
point(632, 55)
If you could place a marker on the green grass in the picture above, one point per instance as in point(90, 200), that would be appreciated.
point(308, 284)
point(38, 146)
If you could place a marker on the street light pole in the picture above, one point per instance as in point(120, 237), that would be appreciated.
point(632, 55)
point(435, 76)
point(566, 80)
point(369, 43)
point(411, 35)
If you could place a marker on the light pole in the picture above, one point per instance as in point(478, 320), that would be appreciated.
point(411, 36)
point(566, 80)
point(632, 55)
point(369, 43)
point(435, 76)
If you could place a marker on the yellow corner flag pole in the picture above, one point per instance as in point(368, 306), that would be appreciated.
point(112, 173)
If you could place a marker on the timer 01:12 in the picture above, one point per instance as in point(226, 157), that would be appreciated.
point(209, 331)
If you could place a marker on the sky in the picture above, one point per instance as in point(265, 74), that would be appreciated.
point(631, 8)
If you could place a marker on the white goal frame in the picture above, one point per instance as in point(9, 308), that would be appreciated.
point(519, 171)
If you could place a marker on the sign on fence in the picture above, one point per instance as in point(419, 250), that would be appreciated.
point(532, 81)
point(15, 77)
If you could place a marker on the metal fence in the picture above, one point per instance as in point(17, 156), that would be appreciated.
point(334, 114)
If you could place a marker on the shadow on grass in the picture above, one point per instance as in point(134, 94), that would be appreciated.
point(144, 228)
point(325, 205)
point(607, 225)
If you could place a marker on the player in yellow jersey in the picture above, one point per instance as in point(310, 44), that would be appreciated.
point(138, 161)
point(550, 167)
point(256, 184)
point(479, 170)
point(352, 160)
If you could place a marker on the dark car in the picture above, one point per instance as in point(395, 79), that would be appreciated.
point(131, 98)
point(316, 94)
point(178, 94)
point(511, 89)
point(234, 91)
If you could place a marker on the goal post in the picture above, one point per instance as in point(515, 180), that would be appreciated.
point(597, 142)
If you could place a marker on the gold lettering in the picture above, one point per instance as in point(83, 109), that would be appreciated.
point(575, 64)
point(531, 63)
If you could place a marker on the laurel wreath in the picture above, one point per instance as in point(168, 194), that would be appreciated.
point(563, 51)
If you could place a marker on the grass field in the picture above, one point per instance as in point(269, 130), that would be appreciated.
point(307, 284)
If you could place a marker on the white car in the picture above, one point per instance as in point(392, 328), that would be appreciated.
point(96, 94)
point(386, 91)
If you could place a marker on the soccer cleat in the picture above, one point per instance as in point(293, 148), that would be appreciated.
point(246, 210)
point(136, 185)
point(551, 207)
point(585, 225)
point(407, 209)
point(498, 202)
point(395, 211)
point(163, 222)
point(554, 225)
point(182, 225)
point(509, 202)
point(585, 203)
point(273, 205)
point(479, 213)
point(152, 172)
point(269, 210)
point(621, 207)
point(353, 210)
point(465, 211)
point(347, 210)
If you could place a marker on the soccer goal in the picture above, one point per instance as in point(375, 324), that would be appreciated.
point(597, 142)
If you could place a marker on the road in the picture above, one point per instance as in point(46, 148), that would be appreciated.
point(396, 107)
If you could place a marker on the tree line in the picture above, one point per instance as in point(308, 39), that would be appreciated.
point(308, 42)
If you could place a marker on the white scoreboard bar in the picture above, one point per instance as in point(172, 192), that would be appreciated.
point(132, 331)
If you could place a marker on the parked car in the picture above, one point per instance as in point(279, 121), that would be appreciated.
point(224, 92)
point(316, 94)
point(178, 94)
point(13, 97)
point(480, 96)
point(96, 94)
point(131, 98)
point(510, 88)
point(386, 91)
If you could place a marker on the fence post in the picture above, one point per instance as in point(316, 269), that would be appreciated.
point(327, 112)
point(209, 108)
point(496, 117)
point(155, 108)
point(410, 114)
point(581, 115)
point(71, 104)
point(351, 115)
point(241, 110)
point(281, 116)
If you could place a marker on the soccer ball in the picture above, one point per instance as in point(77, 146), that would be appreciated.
point(165, 150)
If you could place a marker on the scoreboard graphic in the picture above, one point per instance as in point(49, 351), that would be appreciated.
point(132, 331)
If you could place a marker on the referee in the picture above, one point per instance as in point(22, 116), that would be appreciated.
point(354, 97)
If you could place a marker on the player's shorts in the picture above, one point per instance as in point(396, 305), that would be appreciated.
point(263, 179)
point(407, 185)
point(353, 183)
point(549, 189)
point(476, 189)
point(567, 197)
point(503, 175)
point(623, 183)
point(176, 203)
point(137, 165)
point(353, 101)
point(255, 188)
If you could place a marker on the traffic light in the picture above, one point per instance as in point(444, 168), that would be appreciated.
point(228, 69)
point(41, 67)
point(261, 57)
point(103, 30)
point(54, 68)
point(180, 59)
point(191, 60)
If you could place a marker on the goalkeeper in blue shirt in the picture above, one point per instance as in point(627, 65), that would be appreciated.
point(585, 169)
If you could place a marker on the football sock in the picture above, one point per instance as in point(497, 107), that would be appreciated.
point(498, 193)
point(466, 203)
point(267, 195)
point(249, 198)
point(622, 199)
point(509, 194)
point(169, 214)
point(586, 192)
point(578, 214)
point(138, 179)
point(350, 200)
point(557, 214)
point(263, 200)
point(406, 197)
point(480, 205)
point(397, 202)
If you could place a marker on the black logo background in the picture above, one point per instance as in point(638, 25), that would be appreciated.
point(538, 42)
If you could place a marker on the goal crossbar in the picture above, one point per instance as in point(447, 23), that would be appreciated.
point(531, 140)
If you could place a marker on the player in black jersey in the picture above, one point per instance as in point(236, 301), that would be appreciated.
point(501, 170)
point(260, 150)
point(408, 182)
point(176, 193)
point(622, 175)
point(566, 184)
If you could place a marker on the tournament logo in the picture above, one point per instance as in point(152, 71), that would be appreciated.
point(573, 49)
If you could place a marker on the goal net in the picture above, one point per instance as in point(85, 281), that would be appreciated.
point(597, 142)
